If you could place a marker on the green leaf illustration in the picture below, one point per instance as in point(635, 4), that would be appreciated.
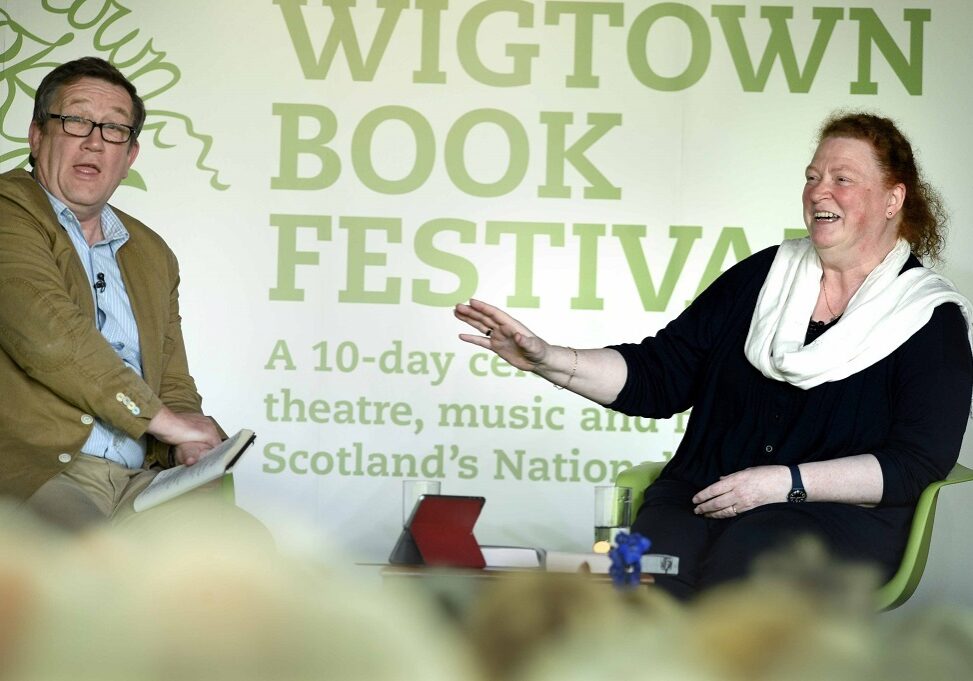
point(27, 56)
point(134, 180)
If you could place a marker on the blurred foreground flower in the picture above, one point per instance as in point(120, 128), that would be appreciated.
point(193, 595)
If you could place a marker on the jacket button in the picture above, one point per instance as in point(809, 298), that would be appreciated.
point(64, 457)
point(87, 419)
point(769, 448)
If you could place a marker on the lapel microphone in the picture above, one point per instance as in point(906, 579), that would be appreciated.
point(100, 284)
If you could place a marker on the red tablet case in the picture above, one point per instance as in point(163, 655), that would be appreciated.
point(440, 532)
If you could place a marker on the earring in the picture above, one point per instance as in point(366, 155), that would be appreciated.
point(890, 213)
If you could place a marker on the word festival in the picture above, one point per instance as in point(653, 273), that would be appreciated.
point(437, 244)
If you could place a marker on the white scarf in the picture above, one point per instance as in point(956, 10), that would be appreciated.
point(884, 313)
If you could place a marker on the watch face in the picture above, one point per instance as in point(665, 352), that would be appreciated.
point(796, 496)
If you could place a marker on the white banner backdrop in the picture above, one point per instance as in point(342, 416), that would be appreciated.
point(335, 175)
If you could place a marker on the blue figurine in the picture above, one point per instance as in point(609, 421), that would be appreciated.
point(626, 558)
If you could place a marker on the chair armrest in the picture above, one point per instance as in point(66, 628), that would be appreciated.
point(960, 473)
point(639, 477)
point(902, 585)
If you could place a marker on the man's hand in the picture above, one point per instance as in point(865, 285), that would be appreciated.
point(177, 429)
point(189, 453)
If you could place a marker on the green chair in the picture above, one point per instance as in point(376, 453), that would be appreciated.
point(228, 489)
point(902, 585)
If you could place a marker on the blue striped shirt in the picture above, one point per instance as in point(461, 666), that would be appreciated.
point(114, 319)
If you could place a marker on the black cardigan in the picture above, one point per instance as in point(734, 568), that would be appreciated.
point(909, 410)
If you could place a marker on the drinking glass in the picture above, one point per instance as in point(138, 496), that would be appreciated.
point(413, 491)
point(613, 509)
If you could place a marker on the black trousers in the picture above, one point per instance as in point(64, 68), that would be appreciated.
point(713, 552)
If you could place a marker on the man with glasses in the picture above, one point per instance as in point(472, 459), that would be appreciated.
point(95, 391)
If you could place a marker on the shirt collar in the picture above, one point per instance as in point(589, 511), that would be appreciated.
point(111, 226)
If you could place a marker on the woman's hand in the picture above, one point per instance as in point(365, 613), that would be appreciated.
point(598, 374)
point(733, 494)
point(502, 334)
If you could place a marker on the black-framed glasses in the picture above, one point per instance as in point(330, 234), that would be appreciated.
point(116, 133)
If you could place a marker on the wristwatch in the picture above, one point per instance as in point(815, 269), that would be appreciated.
point(797, 493)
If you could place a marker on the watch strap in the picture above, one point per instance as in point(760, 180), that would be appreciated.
point(797, 493)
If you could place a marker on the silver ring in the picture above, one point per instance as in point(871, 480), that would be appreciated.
point(733, 508)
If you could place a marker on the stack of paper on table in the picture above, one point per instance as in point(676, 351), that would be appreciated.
point(521, 557)
point(514, 557)
point(599, 563)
